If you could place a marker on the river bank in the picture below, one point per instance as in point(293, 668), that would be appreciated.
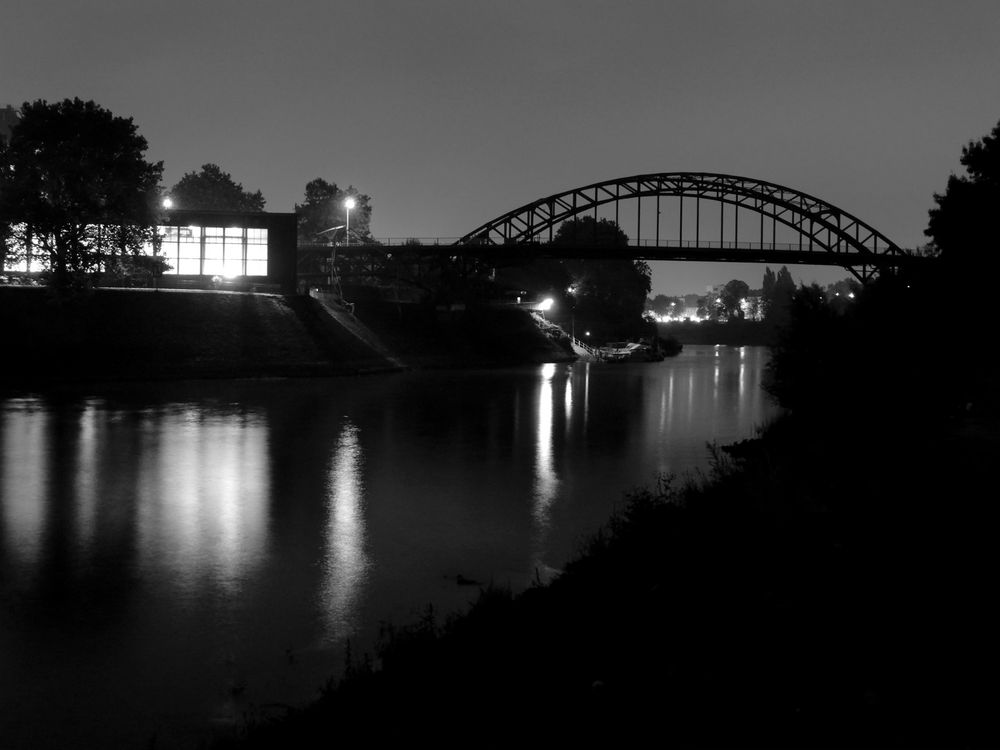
point(762, 607)
point(728, 333)
point(825, 584)
point(143, 334)
point(459, 336)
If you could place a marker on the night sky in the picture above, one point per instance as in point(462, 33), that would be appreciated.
point(451, 113)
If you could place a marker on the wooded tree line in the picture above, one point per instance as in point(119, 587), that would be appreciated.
point(75, 185)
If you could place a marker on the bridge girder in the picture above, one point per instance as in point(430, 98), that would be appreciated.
point(828, 234)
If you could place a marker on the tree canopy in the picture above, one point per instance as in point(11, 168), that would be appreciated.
point(322, 216)
point(663, 304)
point(733, 294)
point(74, 182)
point(610, 293)
point(962, 225)
point(211, 189)
point(777, 292)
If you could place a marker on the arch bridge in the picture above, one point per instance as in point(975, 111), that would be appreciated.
point(705, 225)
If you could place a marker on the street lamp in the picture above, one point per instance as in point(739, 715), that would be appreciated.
point(168, 203)
point(349, 203)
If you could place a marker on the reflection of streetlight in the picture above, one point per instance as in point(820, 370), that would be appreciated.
point(349, 203)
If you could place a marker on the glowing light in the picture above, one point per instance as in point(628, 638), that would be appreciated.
point(350, 203)
point(168, 202)
point(545, 304)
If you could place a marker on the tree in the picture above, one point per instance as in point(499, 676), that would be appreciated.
point(963, 226)
point(777, 292)
point(323, 218)
point(661, 304)
point(841, 294)
point(590, 231)
point(211, 189)
point(610, 293)
point(733, 294)
point(74, 183)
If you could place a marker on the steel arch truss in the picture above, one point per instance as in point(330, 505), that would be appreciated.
point(827, 234)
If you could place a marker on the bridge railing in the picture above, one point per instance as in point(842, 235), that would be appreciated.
point(593, 351)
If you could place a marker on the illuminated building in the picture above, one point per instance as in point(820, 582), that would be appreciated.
point(243, 250)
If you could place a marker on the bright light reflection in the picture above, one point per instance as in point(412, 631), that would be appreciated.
point(346, 563)
point(87, 471)
point(546, 482)
point(204, 485)
point(568, 400)
point(25, 485)
point(715, 379)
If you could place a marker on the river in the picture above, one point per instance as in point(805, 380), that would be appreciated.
point(174, 556)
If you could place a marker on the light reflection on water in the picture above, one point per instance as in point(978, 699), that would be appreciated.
point(546, 481)
point(160, 548)
point(204, 485)
point(345, 561)
point(25, 486)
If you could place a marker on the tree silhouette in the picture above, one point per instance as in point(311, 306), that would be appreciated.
point(732, 296)
point(322, 216)
point(211, 189)
point(74, 183)
point(610, 293)
point(661, 304)
point(963, 226)
point(777, 292)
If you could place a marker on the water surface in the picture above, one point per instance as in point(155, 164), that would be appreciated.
point(174, 556)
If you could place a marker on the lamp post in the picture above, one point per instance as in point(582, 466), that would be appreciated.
point(349, 203)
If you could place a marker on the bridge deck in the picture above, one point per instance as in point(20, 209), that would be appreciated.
point(704, 251)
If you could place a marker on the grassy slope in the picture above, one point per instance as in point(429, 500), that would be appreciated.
point(488, 336)
point(168, 334)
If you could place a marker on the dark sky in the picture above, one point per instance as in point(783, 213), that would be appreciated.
point(451, 113)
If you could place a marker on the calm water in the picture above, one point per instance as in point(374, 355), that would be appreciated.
point(174, 556)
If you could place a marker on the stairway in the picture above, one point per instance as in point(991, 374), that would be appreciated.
point(344, 316)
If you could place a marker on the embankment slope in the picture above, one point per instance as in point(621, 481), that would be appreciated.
point(147, 334)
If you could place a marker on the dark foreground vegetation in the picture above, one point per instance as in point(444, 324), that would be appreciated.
point(829, 583)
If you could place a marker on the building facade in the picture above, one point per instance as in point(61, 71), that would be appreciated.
point(254, 248)
point(203, 249)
